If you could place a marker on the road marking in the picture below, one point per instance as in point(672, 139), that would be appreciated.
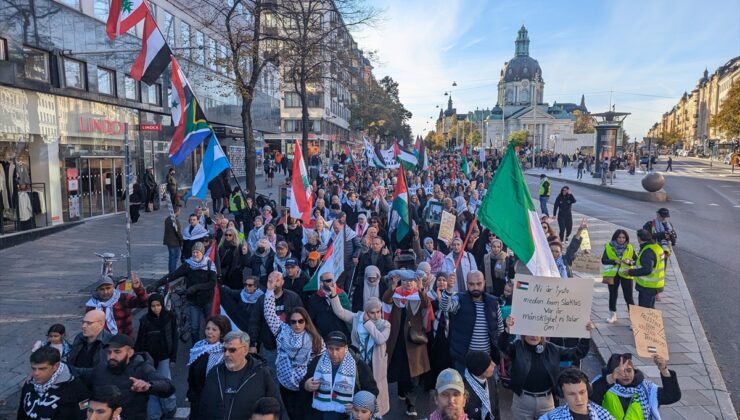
point(712, 204)
point(731, 200)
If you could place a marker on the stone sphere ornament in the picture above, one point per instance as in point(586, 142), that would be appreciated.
point(653, 182)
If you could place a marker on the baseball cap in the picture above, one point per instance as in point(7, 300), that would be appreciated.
point(336, 338)
point(314, 255)
point(291, 262)
point(449, 379)
point(103, 280)
point(282, 244)
point(663, 212)
point(119, 340)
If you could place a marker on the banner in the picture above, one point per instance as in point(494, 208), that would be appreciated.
point(389, 158)
point(551, 306)
point(647, 327)
point(447, 227)
point(587, 263)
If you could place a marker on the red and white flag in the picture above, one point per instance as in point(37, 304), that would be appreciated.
point(124, 15)
point(154, 56)
point(300, 185)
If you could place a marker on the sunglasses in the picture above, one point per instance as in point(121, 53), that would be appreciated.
point(297, 321)
point(232, 350)
point(229, 235)
point(327, 280)
point(250, 285)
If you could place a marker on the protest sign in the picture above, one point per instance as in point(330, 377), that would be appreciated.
point(434, 213)
point(647, 327)
point(447, 227)
point(585, 241)
point(587, 263)
point(551, 306)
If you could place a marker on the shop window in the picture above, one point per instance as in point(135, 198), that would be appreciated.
point(106, 81)
point(151, 94)
point(3, 49)
point(37, 64)
point(74, 74)
point(131, 88)
point(101, 9)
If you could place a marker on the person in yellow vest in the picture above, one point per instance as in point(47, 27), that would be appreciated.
point(625, 393)
point(650, 271)
point(618, 253)
point(237, 204)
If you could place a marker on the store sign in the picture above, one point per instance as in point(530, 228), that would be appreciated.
point(150, 127)
point(101, 125)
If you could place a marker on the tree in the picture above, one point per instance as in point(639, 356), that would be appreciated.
point(668, 138)
point(436, 141)
point(378, 111)
point(584, 123)
point(727, 120)
point(519, 138)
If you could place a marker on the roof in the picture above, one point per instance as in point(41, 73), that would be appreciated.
point(520, 68)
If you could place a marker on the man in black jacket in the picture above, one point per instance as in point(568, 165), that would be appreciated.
point(233, 387)
point(133, 373)
point(52, 392)
point(87, 349)
point(295, 280)
point(482, 401)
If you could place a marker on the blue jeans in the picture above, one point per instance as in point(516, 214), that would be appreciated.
point(198, 315)
point(543, 204)
point(579, 175)
point(646, 297)
point(174, 256)
point(158, 407)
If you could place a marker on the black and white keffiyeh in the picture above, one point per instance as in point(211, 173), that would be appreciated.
point(482, 394)
point(595, 412)
point(215, 353)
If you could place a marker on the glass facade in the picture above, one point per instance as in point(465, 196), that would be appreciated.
point(106, 81)
point(36, 63)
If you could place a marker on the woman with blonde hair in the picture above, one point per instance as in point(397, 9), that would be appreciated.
point(229, 254)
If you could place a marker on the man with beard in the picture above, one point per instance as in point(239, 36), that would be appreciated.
point(449, 397)
point(105, 404)
point(475, 320)
point(233, 387)
point(52, 392)
point(133, 373)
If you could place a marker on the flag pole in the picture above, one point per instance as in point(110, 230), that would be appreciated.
point(465, 243)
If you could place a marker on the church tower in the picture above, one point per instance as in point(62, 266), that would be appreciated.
point(521, 82)
point(522, 43)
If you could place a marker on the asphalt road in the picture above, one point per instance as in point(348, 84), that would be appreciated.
point(705, 211)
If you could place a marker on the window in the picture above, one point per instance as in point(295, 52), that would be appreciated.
point(185, 35)
point(131, 88)
point(100, 9)
point(211, 62)
point(292, 100)
point(294, 126)
point(169, 29)
point(3, 49)
point(151, 94)
point(106, 82)
point(153, 10)
point(222, 59)
point(199, 51)
point(75, 4)
point(74, 74)
point(37, 64)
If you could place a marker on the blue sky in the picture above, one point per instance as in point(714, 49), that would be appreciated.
point(647, 52)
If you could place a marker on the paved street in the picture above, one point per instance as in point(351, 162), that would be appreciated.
point(705, 210)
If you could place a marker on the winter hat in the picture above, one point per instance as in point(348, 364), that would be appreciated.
point(477, 362)
point(156, 297)
point(198, 246)
point(364, 399)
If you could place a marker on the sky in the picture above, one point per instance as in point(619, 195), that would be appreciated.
point(640, 54)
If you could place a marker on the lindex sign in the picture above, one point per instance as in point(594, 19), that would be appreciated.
point(150, 127)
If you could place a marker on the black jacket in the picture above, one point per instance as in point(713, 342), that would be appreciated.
point(324, 318)
point(384, 264)
point(239, 312)
point(253, 263)
point(158, 337)
point(256, 382)
point(563, 203)
point(296, 285)
point(198, 283)
point(231, 265)
point(520, 354)
point(463, 321)
point(140, 367)
point(61, 401)
point(79, 343)
point(669, 393)
point(474, 405)
point(259, 332)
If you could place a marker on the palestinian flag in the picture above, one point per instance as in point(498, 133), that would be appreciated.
point(508, 211)
point(465, 165)
point(300, 185)
point(373, 156)
point(154, 56)
point(406, 159)
point(124, 15)
point(400, 208)
point(421, 154)
point(351, 159)
point(522, 285)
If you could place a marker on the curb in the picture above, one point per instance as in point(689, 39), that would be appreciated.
point(655, 197)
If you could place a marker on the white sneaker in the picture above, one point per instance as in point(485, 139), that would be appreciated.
point(612, 319)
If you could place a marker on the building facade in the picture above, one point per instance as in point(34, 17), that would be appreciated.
point(70, 106)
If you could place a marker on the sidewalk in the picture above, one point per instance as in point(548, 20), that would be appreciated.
point(704, 395)
point(48, 281)
point(624, 183)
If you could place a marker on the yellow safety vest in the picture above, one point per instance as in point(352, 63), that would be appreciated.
point(236, 203)
point(608, 270)
point(613, 405)
point(656, 278)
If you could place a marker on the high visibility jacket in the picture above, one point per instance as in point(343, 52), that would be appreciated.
point(656, 278)
point(236, 203)
point(544, 190)
point(608, 270)
point(613, 405)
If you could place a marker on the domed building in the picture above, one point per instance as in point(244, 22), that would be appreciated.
point(521, 78)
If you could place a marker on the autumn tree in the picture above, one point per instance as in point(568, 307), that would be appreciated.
point(519, 138)
point(584, 123)
point(668, 138)
point(377, 110)
point(727, 120)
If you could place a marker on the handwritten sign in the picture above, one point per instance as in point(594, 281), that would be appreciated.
point(447, 227)
point(551, 306)
point(585, 241)
point(647, 327)
point(587, 263)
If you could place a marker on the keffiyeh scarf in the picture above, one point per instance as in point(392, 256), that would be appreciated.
point(402, 298)
point(334, 390)
point(215, 353)
point(482, 394)
point(42, 388)
point(194, 232)
point(251, 297)
point(595, 412)
point(203, 264)
point(647, 395)
point(107, 307)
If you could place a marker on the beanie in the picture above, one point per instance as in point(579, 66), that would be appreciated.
point(198, 246)
point(364, 399)
point(477, 362)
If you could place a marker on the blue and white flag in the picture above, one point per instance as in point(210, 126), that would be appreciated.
point(214, 162)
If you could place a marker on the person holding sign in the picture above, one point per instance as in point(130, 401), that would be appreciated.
point(626, 394)
point(535, 366)
point(617, 254)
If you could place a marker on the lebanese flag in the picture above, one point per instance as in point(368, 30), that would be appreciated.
point(300, 185)
point(124, 15)
point(154, 56)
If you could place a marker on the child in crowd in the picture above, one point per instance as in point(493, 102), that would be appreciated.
point(55, 338)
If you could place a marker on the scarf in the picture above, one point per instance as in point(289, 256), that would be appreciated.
point(561, 267)
point(294, 355)
point(401, 298)
point(42, 388)
point(215, 353)
point(437, 415)
point(595, 412)
point(647, 395)
point(660, 227)
point(203, 264)
point(482, 394)
point(251, 297)
point(499, 268)
point(618, 249)
point(194, 232)
point(362, 336)
point(334, 390)
point(107, 307)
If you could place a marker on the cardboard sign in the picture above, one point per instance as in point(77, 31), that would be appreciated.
point(587, 263)
point(447, 227)
point(647, 327)
point(551, 306)
point(585, 241)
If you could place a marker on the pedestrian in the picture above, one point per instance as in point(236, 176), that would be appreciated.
point(377, 256)
point(87, 349)
point(295, 279)
point(233, 387)
point(52, 392)
point(544, 193)
point(580, 164)
point(559, 164)
point(364, 407)
point(334, 378)
point(135, 200)
point(204, 356)
point(603, 169)
point(649, 273)
point(241, 304)
point(669, 168)
point(298, 342)
point(625, 393)
point(105, 404)
point(438, 347)
point(564, 260)
point(466, 263)
point(563, 204)
point(55, 338)
point(173, 238)
point(450, 397)
point(133, 373)
point(230, 255)
point(319, 306)
point(618, 256)
point(270, 171)
point(662, 230)
point(150, 184)
point(218, 190)
point(237, 204)
point(370, 332)
point(172, 187)
point(574, 387)
point(266, 408)
point(193, 233)
point(158, 337)
point(118, 307)
point(612, 170)
point(480, 386)
point(432, 255)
